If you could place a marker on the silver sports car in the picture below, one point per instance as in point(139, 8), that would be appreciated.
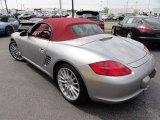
point(85, 62)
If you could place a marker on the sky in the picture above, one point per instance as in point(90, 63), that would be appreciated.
point(83, 4)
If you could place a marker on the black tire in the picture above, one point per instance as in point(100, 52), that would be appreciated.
point(9, 30)
point(83, 96)
point(113, 31)
point(16, 54)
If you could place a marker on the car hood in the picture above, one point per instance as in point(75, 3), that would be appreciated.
point(117, 48)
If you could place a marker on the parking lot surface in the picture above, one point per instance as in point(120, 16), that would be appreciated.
point(26, 93)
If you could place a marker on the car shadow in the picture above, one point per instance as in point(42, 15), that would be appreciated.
point(140, 107)
point(42, 74)
point(145, 106)
point(3, 36)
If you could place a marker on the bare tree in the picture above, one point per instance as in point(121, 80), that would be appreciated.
point(5, 1)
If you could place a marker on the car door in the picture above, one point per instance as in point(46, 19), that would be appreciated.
point(127, 26)
point(35, 44)
point(119, 29)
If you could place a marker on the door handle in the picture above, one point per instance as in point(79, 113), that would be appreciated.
point(41, 50)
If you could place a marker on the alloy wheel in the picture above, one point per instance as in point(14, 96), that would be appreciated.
point(14, 50)
point(9, 30)
point(68, 84)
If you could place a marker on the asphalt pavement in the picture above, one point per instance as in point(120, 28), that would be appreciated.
point(26, 93)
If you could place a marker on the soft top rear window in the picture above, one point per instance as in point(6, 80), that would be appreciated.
point(87, 29)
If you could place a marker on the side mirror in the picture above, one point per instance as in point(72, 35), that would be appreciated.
point(24, 33)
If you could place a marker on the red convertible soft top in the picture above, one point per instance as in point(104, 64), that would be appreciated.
point(62, 27)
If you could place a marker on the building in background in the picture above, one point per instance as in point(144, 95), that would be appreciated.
point(120, 10)
point(156, 11)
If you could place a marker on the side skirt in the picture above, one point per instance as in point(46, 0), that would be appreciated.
point(39, 67)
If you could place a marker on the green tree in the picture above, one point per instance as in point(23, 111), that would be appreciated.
point(105, 10)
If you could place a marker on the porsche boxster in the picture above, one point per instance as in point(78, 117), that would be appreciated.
point(84, 61)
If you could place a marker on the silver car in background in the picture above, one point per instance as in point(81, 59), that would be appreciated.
point(85, 62)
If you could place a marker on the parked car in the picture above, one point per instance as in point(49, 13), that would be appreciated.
point(129, 14)
point(92, 15)
point(84, 61)
point(26, 16)
point(119, 16)
point(8, 25)
point(140, 28)
point(104, 17)
point(110, 16)
point(27, 24)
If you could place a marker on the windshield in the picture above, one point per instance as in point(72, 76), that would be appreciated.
point(86, 29)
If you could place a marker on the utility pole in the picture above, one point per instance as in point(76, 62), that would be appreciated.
point(72, 8)
point(101, 3)
point(127, 6)
point(17, 4)
point(60, 7)
point(148, 5)
point(6, 6)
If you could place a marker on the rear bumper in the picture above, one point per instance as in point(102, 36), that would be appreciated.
point(118, 89)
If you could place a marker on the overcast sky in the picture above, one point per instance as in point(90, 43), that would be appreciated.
point(84, 4)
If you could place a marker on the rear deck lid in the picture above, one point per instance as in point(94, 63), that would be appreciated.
point(118, 49)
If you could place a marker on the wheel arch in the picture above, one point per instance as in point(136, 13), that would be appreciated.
point(9, 26)
point(60, 62)
point(12, 40)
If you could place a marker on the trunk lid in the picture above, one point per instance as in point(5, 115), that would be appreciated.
point(117, 48)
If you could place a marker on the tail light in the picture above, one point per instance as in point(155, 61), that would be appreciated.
point(110, 68)
point(146, 49)
point(144, 28)
point(101, 24)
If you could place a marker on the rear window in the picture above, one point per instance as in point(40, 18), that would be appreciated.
point(93, 19)
point(152, 21)
point(86, 29)
point(88, 14)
